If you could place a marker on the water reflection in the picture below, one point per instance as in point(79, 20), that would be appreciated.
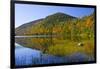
point(33, 50)
point(24, 55)
point(35, 42)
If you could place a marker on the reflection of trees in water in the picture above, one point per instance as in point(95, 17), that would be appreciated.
point(35, 43)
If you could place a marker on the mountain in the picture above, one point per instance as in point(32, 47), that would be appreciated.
point(29, 23)
point(60, 17)
point(23, 28)
point(44, 26)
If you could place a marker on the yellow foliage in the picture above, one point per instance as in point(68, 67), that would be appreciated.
point(71, 48)
point(89, 22)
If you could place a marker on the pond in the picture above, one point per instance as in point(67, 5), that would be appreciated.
point(31, 51)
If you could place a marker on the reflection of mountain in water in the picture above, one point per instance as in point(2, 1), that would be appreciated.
point(18, 46)
point(27, 56)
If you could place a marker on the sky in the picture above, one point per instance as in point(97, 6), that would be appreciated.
point(25, 13)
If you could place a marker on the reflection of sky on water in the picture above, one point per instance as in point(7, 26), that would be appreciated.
point(27, 56)
point(22, 54)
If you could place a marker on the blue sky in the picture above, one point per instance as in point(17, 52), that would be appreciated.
point(25, 13)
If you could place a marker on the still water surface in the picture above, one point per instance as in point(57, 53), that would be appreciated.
point(25, 55)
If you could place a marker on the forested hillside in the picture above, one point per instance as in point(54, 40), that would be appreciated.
point(52, 23)
point(60, 24)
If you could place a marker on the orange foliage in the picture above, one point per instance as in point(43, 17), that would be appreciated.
point(89, 22)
